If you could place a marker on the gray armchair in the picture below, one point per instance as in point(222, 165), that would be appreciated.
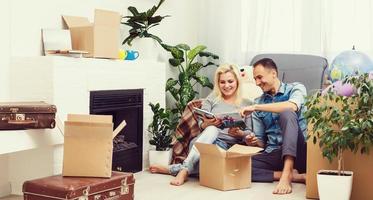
point(307, 69)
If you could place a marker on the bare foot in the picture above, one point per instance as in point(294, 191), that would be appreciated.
point(181, 177)
point(159, 169)
point(284, 184)
point(298, 178)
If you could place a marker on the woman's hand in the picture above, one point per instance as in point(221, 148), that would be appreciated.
point(210, 122)
point(235, 132)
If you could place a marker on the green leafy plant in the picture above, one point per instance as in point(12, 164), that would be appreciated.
point(185, 60)
point(162, 127)
point(141, 22)
point(342, 123)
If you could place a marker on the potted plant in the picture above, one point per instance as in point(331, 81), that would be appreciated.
point(185, 60)
point(161, 131)
point(341, 123)
point(140, 23)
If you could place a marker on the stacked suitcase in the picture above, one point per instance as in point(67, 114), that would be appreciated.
point(119, 187)
point(27, 115)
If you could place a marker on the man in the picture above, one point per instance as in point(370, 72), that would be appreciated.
point(279, 128)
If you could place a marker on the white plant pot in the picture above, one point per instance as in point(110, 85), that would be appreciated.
point(147, 48)
point(334, 186)
point(159, 157)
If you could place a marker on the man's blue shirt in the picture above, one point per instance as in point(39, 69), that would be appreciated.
point(265, 124)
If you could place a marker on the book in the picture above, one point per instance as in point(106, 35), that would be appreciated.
point(228, 119)
point(231, 119)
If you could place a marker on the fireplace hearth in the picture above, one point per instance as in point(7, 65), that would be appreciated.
point(123, 105)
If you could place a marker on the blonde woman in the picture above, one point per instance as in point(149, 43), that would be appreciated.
point(225, 97)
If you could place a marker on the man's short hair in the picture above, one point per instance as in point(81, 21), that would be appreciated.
point(266, 63)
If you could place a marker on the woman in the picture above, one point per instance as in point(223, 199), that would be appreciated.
point(225, 97)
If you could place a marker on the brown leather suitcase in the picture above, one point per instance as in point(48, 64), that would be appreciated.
point(120, 187)
point(27, 115)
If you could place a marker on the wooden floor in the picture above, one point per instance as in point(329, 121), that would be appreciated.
point(155, 186)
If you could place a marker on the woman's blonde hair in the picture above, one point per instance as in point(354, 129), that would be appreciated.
point(222, 69)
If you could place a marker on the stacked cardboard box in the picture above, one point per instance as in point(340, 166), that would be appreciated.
point(100, 38)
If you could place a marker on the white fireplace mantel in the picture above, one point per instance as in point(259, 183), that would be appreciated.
point(67, 82)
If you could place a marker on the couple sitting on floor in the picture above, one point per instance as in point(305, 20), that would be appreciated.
point(277, 122)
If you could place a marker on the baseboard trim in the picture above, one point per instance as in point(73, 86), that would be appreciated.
point(5, 189)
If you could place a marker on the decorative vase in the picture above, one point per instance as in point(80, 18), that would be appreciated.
point(333, 186)
point(159, 157)
point(147, 48)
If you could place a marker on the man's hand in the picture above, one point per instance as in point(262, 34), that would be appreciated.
point(247, 110)
point(252, 140)
point(210, 122)
point(235, 132)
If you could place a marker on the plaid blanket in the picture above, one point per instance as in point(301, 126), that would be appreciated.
point(186, 130)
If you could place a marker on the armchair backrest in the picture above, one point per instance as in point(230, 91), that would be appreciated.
point(307, 69)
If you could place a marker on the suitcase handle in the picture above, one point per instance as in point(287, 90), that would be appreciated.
point(22, 122)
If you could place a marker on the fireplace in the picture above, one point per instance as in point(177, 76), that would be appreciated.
point(123, 105)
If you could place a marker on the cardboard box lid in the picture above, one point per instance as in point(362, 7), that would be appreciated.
point(235, 151)
point(210, 149)
point(241, 150)
point(90, 118)
point(73, 21)
point(107, 18)
point(94, 120)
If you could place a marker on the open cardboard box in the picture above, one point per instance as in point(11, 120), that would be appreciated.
point(225, 170)
point(88, 146)
point(100, 38)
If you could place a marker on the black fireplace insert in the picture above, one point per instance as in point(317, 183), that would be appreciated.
point(123, 105)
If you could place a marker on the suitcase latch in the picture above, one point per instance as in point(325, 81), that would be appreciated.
point(124, 189)
point(85, 194)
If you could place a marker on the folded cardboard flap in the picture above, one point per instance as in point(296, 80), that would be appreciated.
point(235, 151)
point(90, 118)
point(119, 128)
point(74, 21)
point(106, 18)
point(94, 121)
point(241, 150)
point(210, 149)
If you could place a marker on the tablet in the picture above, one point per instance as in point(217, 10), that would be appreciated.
point(205, 113)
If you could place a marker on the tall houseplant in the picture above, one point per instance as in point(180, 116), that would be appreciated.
point(186, 61)
point(141, 22)
point(161, 131)
point(341, 123)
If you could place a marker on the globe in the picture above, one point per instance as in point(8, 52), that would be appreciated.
point(347, 63)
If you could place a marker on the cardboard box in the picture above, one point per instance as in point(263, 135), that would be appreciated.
point(100, 39)
point(88, 146)
point(225, 170)
point(361, 165)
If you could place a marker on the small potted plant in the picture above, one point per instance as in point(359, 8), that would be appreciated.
point(341, 123)
point(186, 61)
point(140, 23)
point(161, 132)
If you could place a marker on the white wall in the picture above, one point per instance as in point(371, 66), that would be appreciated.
point(4, 176)
point(4, 49)
point(20, 35)
point(4, 84)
